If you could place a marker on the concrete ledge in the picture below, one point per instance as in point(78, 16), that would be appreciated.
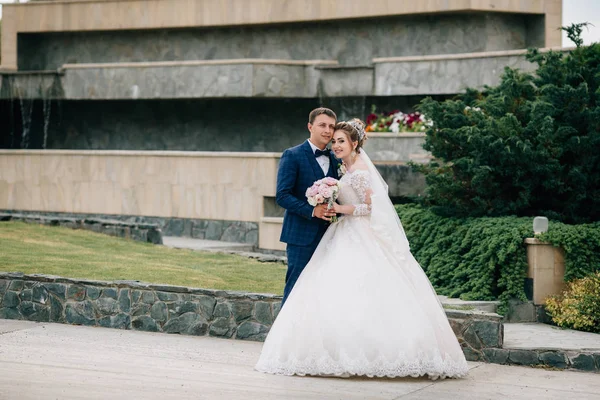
point(480, 305)
point(153, 64)
point(465, 56)
point(272, 220)
point(392, 135)
point(206, 245)
point(535, 241)
point(143, 153)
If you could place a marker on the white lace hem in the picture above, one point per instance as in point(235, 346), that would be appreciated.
point(434, 368)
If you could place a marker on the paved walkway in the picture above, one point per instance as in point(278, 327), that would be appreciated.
point(242, 249)
point(541, 336)
point(55, 361)
point(201, 244)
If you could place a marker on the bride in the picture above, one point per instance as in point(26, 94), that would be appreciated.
point(363, 305)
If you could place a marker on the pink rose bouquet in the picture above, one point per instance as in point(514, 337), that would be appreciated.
point(323, 191)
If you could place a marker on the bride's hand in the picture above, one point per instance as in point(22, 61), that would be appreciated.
point(336, 208)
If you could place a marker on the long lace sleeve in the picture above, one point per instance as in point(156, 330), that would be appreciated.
point(361, 183)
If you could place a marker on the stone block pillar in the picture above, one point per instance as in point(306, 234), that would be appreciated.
point(546, 269)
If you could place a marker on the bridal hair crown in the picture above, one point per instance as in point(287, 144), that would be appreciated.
point(359, 128)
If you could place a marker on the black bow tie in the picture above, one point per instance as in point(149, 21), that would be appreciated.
point(319, 153)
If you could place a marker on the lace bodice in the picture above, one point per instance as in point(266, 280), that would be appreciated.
point(353, 190)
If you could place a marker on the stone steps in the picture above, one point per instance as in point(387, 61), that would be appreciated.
point(458, 304)
point(583, 360)
point(205, 245)
point(535, 344)
point(242, 249)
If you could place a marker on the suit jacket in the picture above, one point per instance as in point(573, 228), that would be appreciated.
point(298, 170)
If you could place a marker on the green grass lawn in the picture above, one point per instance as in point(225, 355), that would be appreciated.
point(70, 253)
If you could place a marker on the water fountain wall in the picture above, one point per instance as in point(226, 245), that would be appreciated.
point(193, 125)
point(29, 109)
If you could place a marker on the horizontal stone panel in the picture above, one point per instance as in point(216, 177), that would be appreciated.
point(158, 82)
point(166, 184)
point(442, 76)
point(399, 147)
point(400, 76)
point(346, 81)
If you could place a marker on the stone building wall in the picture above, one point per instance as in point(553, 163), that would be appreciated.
point(351, 42)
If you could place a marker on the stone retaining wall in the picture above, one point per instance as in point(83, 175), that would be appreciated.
point(226, 231)
point(176, 309)
point(552, 358)
point(233, 315)
point(138, 306)
point(476, 331)
point(142, 232)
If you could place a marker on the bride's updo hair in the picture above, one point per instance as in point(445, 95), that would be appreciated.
point(355, 130)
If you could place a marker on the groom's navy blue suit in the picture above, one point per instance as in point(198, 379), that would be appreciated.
point(298, 170)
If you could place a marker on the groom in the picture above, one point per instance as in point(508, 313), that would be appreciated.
point(300, 166)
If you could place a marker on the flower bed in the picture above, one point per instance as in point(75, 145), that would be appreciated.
point(396, 121)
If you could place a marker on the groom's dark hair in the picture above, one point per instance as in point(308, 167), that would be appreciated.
point(318, 111)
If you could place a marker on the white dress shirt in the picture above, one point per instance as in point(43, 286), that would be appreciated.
point(322, 160)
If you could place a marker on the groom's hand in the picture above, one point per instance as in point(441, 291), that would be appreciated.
point(323, 213)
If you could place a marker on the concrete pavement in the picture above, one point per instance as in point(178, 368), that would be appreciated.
point(56, 361)
point(542, 336)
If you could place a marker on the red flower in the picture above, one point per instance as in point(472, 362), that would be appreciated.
point(371, 118)
point(412, 118)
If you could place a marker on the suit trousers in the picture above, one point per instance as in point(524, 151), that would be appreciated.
point(297, 258)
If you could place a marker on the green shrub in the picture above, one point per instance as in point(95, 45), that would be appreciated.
point(471, 258)
point(578, 307)
point(581, 244)
point(529, 146)
point(485, 258)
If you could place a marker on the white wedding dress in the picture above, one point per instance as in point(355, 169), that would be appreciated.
point(363, 305)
